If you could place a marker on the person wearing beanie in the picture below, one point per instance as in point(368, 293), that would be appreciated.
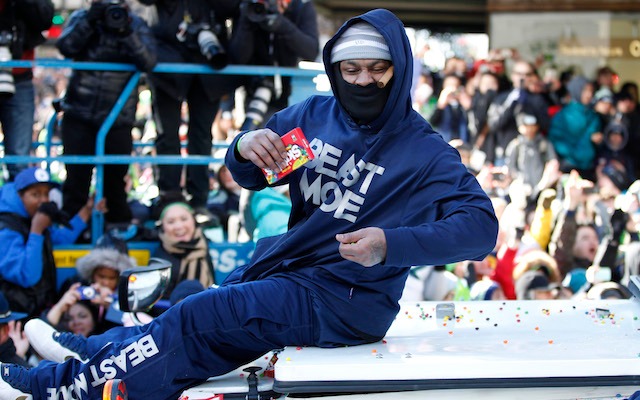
point(576, 130)
point(384, 192)
point(30, 224)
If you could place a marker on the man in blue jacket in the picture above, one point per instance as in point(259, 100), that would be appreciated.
point(383, 193)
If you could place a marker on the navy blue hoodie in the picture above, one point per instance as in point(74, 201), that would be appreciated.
point(396, 174)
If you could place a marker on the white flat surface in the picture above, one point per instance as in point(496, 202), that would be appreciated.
point(494, 394)
point(486, 339)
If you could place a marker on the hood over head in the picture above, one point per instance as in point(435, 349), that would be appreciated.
point(10, 201)
point(616, 127)
point(398, 104)
point(103, 257)
point(575, 87)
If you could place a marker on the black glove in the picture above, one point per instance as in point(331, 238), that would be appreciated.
point(619, 221)
point(271, 22)
point(52, 211)
point(96, 11)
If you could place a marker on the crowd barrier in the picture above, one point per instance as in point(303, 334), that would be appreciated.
point(305, 82)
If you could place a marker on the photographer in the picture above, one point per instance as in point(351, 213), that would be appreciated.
point(21, 26)
point(272, 32)
point(189, 31)
point(501, 115)
point(29, 227)
point(450, 115)
point(105, 32)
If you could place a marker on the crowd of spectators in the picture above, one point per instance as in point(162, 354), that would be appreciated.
point(557, 153)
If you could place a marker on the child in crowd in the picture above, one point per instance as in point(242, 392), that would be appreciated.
point(29, 227)
point(95, 284)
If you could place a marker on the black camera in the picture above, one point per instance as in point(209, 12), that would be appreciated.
point(7, 85)
point(258, 105)
point(204, 37)
point(116, 16)
point(258, 10)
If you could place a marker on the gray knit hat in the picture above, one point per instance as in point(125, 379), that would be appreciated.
point(103, 257)
point(360, 41)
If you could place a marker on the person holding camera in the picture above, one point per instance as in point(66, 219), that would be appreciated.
point(29, 227)
point(21, 26)
point(501, 115)
point(194, 32)
point(274, 33)
point(105, 32)
point(450, 115)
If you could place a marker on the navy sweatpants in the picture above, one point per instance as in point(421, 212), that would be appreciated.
point(207, 334)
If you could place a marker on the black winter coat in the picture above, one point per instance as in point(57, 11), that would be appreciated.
point(294, 38)
point(92, 94)
point(171, 13)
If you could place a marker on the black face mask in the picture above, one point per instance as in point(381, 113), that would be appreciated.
point(363, 103)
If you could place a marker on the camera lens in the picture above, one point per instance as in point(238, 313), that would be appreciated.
point(7, 85)
point(116, 18)
point(210, 47)
point(257, 108)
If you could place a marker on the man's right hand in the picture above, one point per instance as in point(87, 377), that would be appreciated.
point(264, 148)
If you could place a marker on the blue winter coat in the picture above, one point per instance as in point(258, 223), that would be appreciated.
point(570, 134)
point(396, 173)
point(21, 262)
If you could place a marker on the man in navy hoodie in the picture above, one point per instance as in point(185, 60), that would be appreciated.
point(384, 192)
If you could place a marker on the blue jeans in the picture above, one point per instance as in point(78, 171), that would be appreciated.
point(16, 117)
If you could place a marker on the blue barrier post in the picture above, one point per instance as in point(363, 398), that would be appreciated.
point(97, 219)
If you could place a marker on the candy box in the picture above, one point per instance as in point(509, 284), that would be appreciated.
point(298, 154)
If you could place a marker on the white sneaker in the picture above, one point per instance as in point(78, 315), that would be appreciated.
point(14, 382)
point(53, 345)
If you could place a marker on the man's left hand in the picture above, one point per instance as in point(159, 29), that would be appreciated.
point(367, 246)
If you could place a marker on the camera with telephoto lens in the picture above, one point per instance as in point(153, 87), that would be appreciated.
point(258, 105)
point(116, 16)
point(7, 85)
point(258, 10)
point(204, 36)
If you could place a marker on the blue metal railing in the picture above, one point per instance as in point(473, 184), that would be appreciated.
point(300, 78)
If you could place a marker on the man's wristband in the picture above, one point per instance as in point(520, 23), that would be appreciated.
point(236, 150)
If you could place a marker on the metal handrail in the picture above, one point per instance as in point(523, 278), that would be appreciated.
point(100, 158)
